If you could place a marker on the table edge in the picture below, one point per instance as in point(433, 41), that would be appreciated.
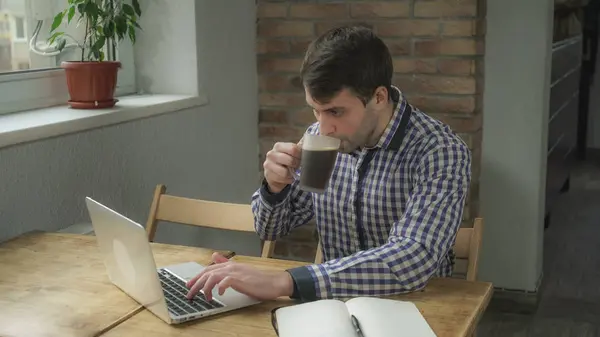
point(480, 309)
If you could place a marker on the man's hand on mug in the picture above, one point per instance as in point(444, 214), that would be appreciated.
point(278, 162)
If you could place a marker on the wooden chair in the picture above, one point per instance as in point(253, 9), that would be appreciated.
point(467, 245)
point(194, 212)
point(468, 242)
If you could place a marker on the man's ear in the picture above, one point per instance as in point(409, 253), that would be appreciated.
point(381, 96)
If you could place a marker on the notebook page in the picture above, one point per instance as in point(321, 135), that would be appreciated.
point(323, 318)
point(383, 318)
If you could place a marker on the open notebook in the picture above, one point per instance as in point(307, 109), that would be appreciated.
point(376, 317)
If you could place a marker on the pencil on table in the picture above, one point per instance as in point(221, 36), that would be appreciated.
point(120, 320)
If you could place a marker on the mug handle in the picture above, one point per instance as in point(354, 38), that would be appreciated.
point(295, 175)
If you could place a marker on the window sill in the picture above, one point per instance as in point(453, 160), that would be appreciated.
point(54, 121)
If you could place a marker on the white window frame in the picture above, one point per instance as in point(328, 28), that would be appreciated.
point(45, 84)
point(14, 29)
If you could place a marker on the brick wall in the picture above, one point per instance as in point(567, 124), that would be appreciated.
point(437, 47)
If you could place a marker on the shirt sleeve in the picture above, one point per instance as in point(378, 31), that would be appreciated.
point(276, 214)
point(417, 243)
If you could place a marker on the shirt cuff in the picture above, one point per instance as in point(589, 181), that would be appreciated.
point(304, 284)
point(270, 198)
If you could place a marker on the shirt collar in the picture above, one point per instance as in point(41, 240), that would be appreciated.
point(388, 139)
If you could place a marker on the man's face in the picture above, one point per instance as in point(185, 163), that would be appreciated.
point(345, 117)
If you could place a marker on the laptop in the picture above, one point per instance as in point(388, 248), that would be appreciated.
point(131, 267)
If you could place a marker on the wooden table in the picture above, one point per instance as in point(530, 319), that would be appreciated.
point(56, 285)
point(452, 307)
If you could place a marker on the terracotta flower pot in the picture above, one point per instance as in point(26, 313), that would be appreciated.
point(91, 84)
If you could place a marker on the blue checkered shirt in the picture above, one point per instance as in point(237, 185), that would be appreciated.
point(389, 231)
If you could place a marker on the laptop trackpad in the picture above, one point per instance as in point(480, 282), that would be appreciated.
point(186, 271)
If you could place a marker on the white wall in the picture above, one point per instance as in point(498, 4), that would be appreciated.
point(208, 152)
point(515, 123)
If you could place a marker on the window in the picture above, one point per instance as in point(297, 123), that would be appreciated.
point(19, 28)
point(30, 76)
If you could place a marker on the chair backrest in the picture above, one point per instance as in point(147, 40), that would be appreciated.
point(468, 242)
point(202, 213)
point(467, 245)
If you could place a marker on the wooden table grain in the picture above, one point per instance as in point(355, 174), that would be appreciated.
point(55, 284)
point(452, 307)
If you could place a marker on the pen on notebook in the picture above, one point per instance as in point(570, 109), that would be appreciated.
point(357, 326)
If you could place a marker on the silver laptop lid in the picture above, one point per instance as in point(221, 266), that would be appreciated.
point(128, 257)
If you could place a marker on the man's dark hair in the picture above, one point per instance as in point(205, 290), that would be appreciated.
point(347, 57)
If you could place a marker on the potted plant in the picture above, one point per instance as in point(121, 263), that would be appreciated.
point(92, 79)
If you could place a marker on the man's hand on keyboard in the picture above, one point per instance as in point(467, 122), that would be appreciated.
point(256, 283)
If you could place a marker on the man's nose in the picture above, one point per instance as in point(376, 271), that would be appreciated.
point(326, 127)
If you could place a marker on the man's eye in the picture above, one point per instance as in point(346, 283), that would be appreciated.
point(335, 113)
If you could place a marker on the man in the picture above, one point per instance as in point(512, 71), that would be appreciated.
point(394, 203)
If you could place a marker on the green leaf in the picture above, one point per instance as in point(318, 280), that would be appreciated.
point(53, 37)
point(136, 25)
point(128, 10)
point(121, 26)
point(61, 44)
point(109, 29)
point(101, 58)
point(137, 8)
point(131, 32)
point(99, 44)
point(57, 21)
point(91, 10)
point(71, 14)
point(80, 20)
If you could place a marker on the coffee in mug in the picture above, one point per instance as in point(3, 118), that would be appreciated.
point(319, 154)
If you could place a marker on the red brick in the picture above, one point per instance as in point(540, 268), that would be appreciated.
point(426, 47)
point(291, 65)
point(271, 10)
point(480, 27)
point(445, 8)
point(459, 28)
point(456, 66)
point(430, 84)
point(446, 47)
point(460, 124)
point(408, 28)
point(467, 138)
point(280, 132)
point(398, 47)
point(443, 104)
point(285, 28)
point(480, 66)
point(318, 11)
point(322, 27)
point(299, 46)
point(279, 82)
point(380, 9)
point(303, 117)
point(476, 166)
point(272, 46)
point(272, 116)
point(281, 99)
point(458, 47)
point(411, 65)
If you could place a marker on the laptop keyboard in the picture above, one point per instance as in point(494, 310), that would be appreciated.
point(175, 291)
